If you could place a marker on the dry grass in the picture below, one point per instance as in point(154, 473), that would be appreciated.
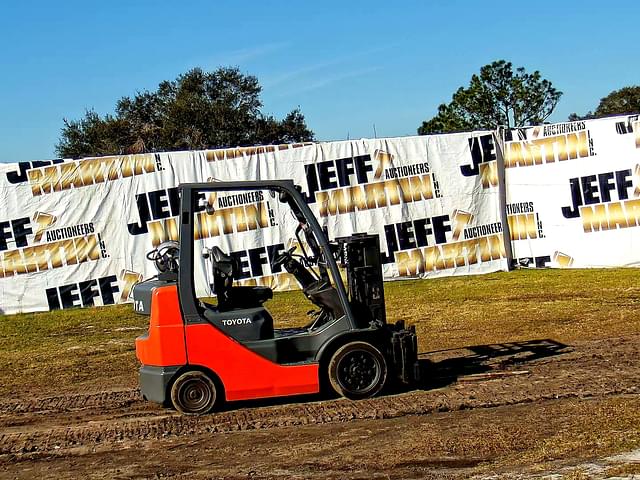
point(578, 474)
point(554, 436)
point(60, 351)
point(565, 305)
point(52, 352)
point(627, 470)
point(584, 429)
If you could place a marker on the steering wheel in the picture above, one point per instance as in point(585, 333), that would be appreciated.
point(165, 256)
point(283, 257)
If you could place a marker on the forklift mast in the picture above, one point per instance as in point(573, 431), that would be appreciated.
point(361, 256)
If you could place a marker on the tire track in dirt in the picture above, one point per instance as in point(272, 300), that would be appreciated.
point(156, 427)
point(68, 409)
point(63, 403)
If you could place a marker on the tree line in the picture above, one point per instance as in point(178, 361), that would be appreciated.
point(197, 110)
point(200, 110)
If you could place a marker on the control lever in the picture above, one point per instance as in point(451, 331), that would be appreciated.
point(294, 267)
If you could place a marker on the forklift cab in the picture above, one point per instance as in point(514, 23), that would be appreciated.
point(211, 336)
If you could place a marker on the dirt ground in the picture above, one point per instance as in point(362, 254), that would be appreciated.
point(519, 410)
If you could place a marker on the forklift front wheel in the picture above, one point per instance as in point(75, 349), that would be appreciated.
point(357, 370)
point(194, 393)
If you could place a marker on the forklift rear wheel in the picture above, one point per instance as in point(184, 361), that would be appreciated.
point(194, 393)
point(357, 370)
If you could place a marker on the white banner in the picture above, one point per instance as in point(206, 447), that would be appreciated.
point(75, 233)
point(573, 193)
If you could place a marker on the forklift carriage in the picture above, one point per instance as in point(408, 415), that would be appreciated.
point(196, 355)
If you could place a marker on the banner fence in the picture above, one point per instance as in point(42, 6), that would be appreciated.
point(75, 233)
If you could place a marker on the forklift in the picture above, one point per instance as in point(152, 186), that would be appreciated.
point(197, 354)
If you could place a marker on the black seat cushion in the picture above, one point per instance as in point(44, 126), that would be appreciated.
point(249, 297)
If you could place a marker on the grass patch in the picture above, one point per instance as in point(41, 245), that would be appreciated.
point(93, 348)
point(575, 431)
point(628, 470)
point(53, 352)
point(564, 305)
point(590, 429)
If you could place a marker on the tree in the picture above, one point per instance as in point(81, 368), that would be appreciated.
point(290, 129)
point(197, 110)
point(498, 96)
point(619, 102)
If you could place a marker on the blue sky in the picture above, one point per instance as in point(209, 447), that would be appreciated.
point(348, 65)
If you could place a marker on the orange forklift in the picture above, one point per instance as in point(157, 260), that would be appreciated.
point(198, 353)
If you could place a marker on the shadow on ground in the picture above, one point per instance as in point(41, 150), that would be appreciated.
point(441, 368)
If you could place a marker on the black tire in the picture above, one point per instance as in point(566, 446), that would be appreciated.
point(357, 370)
point(194, 393)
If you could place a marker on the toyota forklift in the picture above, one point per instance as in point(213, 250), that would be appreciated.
point(198, 353)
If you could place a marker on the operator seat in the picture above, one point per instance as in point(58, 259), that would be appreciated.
point(239, 312)
point(234, 297)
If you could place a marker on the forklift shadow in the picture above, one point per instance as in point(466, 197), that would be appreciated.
point(444, 367)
